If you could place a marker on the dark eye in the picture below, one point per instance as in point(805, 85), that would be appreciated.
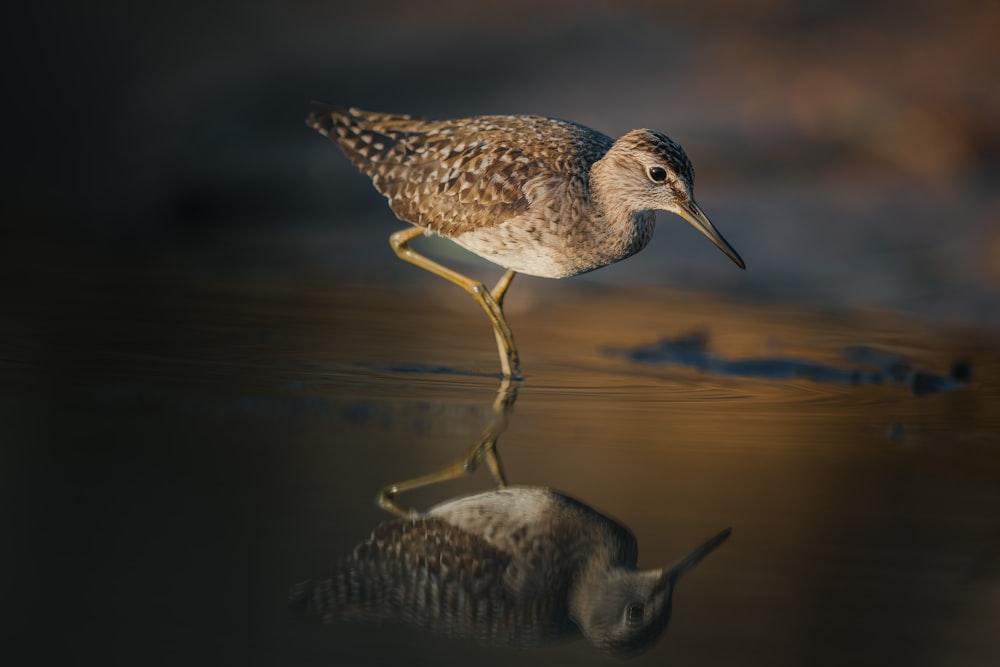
point(658, 174)
point(633, 615)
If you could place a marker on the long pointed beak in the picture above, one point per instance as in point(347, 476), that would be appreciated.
point(693, 214)
point(680, 568)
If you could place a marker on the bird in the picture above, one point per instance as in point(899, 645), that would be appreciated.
point(534, 195)
point(521, 566)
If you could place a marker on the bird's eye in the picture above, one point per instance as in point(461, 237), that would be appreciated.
point(634, 615)
point(658, 174)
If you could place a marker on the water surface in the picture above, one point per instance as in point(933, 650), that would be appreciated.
point(194, 443)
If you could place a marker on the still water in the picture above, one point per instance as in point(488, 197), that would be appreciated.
point(203, 445)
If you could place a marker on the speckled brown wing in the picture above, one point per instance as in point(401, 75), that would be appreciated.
point(434, 575)
point(458, 175)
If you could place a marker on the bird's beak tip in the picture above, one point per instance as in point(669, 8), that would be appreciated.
point(694, 215)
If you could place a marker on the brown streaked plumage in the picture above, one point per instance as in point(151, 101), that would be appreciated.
point(520, 567)
point(534, 195)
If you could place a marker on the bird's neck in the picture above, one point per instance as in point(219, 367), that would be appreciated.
point(626, 225)
point(624, 230)
point(610, 192)
point(610, 561)
point(588, 587)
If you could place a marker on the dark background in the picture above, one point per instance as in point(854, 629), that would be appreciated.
point(847, 150)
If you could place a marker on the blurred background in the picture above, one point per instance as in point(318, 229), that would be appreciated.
point(201, 369)
point(849, 151)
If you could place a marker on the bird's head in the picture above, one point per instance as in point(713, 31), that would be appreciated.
point(627, 611)
point(647, 170)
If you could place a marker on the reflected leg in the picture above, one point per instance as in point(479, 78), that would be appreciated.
point(509, 362)
point(484, 449)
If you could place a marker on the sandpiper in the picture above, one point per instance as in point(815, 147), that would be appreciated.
point(521, 566)
point(535, 195)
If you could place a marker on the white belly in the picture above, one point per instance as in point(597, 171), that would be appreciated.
point(542, 250)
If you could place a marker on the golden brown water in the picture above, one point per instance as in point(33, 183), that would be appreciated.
point(195, 443)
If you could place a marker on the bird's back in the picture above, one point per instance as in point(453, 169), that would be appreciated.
point(456, 176)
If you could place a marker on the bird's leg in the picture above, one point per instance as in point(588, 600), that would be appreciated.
point(500, 289)
point(498, 292)
point(484, 449)
point(509, 361)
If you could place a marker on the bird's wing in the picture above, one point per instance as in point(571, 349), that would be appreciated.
point(456, 176)
point(432, 574)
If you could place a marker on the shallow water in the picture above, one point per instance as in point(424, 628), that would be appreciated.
point(195, 442)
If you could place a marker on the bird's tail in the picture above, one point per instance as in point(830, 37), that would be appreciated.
point(336, 596)
point(328, 116)
point(325, 119)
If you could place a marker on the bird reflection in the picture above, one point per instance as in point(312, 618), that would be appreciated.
point(516, 566)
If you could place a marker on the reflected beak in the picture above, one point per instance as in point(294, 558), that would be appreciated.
point(700, 221)
point(681, 567)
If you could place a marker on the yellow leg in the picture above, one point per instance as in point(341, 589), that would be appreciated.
point(498, 292)
point(500, 288)
point(484, 449)
point(491, 303)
